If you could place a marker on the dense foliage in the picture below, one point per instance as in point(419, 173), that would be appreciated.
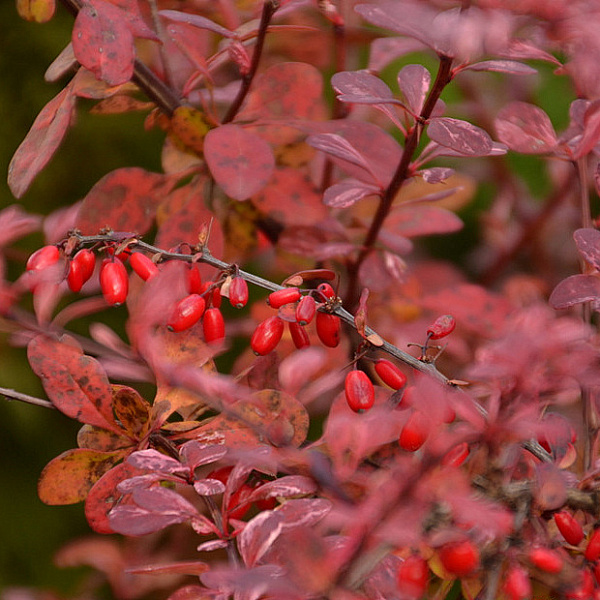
point(341, 408)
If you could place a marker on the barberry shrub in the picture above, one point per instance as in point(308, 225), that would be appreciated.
point(370, 413)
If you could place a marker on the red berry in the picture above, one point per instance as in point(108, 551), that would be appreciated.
point(546, 559)
point(456, 456)
point(390, 374)
point(194, 279)
point(114, 282)
point(413, 576)
point(584, 590)
point(213, 325)
point(238, 504)
point(299, 335)
point(81, 269)
point(213, 297)
point(306, 309)
point(569, 527)
point(517, 585)
point(285, 296)
point(415, 432)
point(187, 312)
point(592, 550)
point(328, 329)
point(326, 291)
point(42, 258)
point(459, 558)
point(238, 292)
point(144, 266)
point(441, 327)
point(360, 394)
point(266, 336)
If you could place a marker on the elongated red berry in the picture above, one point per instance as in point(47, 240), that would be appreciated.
point(413, 577)
point(390, 374)
point(305, 311)
point(569, 527)
point(285, 296)
point(359, 390)
point(143, 265)
point(456, 456)
point(213, 325)
point(213, 297)
point(194, 279)
point(460, 558)
point(43, 258)
point(517, 585)
point(299, 335)
point(415, 432)
point(114, 281)
point(326, 291)
point(238, 292)
point(592, 550)
point(441, 327)
point(328, 329)
point(187, 312)
point(266, 336)
point(546, 559)
point(81, 269)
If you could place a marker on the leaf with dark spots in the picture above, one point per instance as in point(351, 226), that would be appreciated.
point(124, 200)
point(103, 440)
point(132, 411)
point(69, 477)
point(76, 383)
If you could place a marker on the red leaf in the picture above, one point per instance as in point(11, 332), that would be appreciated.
point(124, 200)
point(76, 383)
point(414, 82)
point(153, 460)
point(284, 487)
point(188, 567)
point(258, 536)
point(416, 220)
point(460, 136)
point(502, 66)
point(591, 131)
point(588, 244)
point(241, 162)
point(360, 316)
point(575, 290)
point(525, 128)
point(303, 512)
point(347, 193)
point(196, 21)
point(360, 87)
point(196, 454)
point(41, 142)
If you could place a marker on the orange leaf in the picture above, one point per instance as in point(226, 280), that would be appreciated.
point(190, 126)
point(39, 11)
point(132, 411)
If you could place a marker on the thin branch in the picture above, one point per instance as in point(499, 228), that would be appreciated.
point(14, 395)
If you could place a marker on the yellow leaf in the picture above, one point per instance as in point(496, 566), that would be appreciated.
point(190, 126)
point(39, 11)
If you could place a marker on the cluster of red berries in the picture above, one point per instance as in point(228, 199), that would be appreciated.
point(298, 310)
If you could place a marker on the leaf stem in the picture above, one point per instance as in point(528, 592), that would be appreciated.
point(443, 78)
point(14, 395)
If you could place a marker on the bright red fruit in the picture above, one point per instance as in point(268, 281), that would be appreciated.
point(326, 291)
point(305, 311)
point(359, 390)
point(238, 292)
point(390, 374)
point(213, 297)
point(43, 258)
point(546, 559)
point(441, 327)
point(144, 267)
point(517, 585)
point(584, 590)
point(569, 527)
point(415, 432)
point(456, 456)
point(299, 335)
point(187, 312)
point(328, 329)
point(413, 576)
point(194, 279)
point(266, 336)
point(114, 281)
point(81, 269)
point(285, 296)
point(460, 558)
point(592, 550)
point(213, 325)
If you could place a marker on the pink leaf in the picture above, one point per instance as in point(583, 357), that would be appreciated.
point(15, 223)
point(153, 460)
point(588, 244)
point(347, 193)
point(258, 536)
point(591, 131)
point(41, 142)
point(551, 487)
point(133, 520)
point(163, 500)
point(196, 454)
point(460, 136)
point(298, 368)
point(502, 66)
point(525, 50)
point(575, 290)
point(209, 487)
point(284, 487)
point(196, 21)
point(241, 162)
point(436, 174)
point(361, 87)
point(414, 81)
point(385, 50)
point(303, 512)
point(525, 128)
point(416, 220)
point(212, 545)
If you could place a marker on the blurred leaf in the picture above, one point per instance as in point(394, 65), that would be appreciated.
point(39, 11)
point(575, 290)
point(525, 128)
